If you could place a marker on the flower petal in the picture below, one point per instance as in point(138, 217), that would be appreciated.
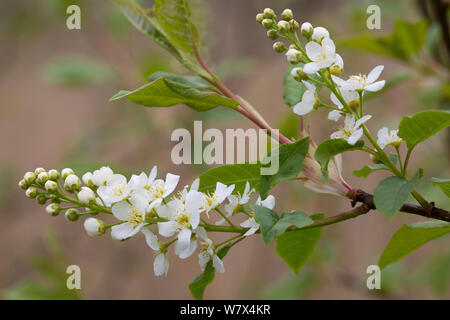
point(374, 74)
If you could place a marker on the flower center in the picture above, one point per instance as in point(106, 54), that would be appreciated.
point(360, 79)
point(183, 220)
point(118, 190)
point(208, 201)
point(322, 55)
point(348, 131)
point(135, 217)
point(156, 190)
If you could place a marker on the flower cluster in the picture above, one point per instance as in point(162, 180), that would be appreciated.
point(148, 205)
point(318, 64)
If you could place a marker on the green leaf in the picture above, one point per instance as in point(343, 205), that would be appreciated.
point(195, 82)
point(174, 18)
point(145, 23)
point(290, 160)
point(198, 286)
point(295, 247)
point(422, 126)
point(392, 192)
point(443, 184)
point(409, 37)
point(330, 148)
point(237, 174)
point(409, 238)
point(366, 170)
point(164, 92)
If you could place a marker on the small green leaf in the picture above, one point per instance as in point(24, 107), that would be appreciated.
point(237, 174)
point(422, 126)
point(267, 219)
point(295, 247)
point(409, 238)
point(174, 18)
point(330, 148)
point(195, 82)
point(290, 160)
point(198, 286)
point(392, 192)
point(164, 92)
point(443, 184)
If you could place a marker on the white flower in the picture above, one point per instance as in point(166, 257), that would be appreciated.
point(350, 97)
point(269, 202)
point(385, 137)
point(308, 100)
point(320, 33)
point(322, 55)
point(184, 216)
point(351, 131)
point(251, 224)
point(362, 82)
point(72, 182)
point(220, 194)
point(94, 227)
point(234, 201)
point(208, 253)
point(161, 262)
point(133, 215)
point(102, 176)
point(88, 178)
point(86, 195)
point(293, 55)
point(115, 189)
point(154, 189)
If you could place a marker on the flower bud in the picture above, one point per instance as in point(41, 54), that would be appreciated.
point(86, 195)
point(31, 192)
point(38, 170)
point(279, 47)
point(53, 174)
point(66, 172)
point(298, 74)
point(41, 199)
point(307, 30)
point(319, 33)
point(29, 177)
point(42, 177)
point(72, 183)
point(53, 209)
point(354, 105)
point(283, 26)
point(336, 70)
point(54, 199)
point(269, 14)
point(94, 227)
point(72, 215)
point(294, 56)
point(293, 25)
point(88, 179)
point(51, 186)
point(23, 184)
point(287, 15)
point(259, 18)
point(272, 34)
point(267, 23)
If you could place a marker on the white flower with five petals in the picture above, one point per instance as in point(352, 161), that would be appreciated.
point(322, 55)
point(351, 130)
point(114, 189)
point(208, 253)
point(235, 201)
point(385, 138)
point(362, 82)
point(306, 105)
point(350, 97)
point(161, 262)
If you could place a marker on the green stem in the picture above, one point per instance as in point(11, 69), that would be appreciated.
point(225, 217)
point(228, 240)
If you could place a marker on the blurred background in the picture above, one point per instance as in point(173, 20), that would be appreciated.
point(54, 112)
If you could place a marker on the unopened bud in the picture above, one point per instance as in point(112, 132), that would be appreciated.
point(307, 30)
point(259, 18)
point(51, 186)
point(94, 227)
point(86, 195)
point(31, 192)
point(294, 56)
point(287, 14)
point(283, 26)
point(53, 174)
point(267, 23)
point(41, 199)
point(23, 184)
point(72, 215)
point(29, 177)
point(279, 47)
point(53, 209)
point(72, 183)
point(38, 170)
point(269, 14)
point(272, 34)
point(319, 34)
point(298, 74)
point(66, 172)
point(293, 25)
point(42, 178)
point(88, 179)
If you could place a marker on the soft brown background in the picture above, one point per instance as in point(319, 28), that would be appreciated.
point(53, 126)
